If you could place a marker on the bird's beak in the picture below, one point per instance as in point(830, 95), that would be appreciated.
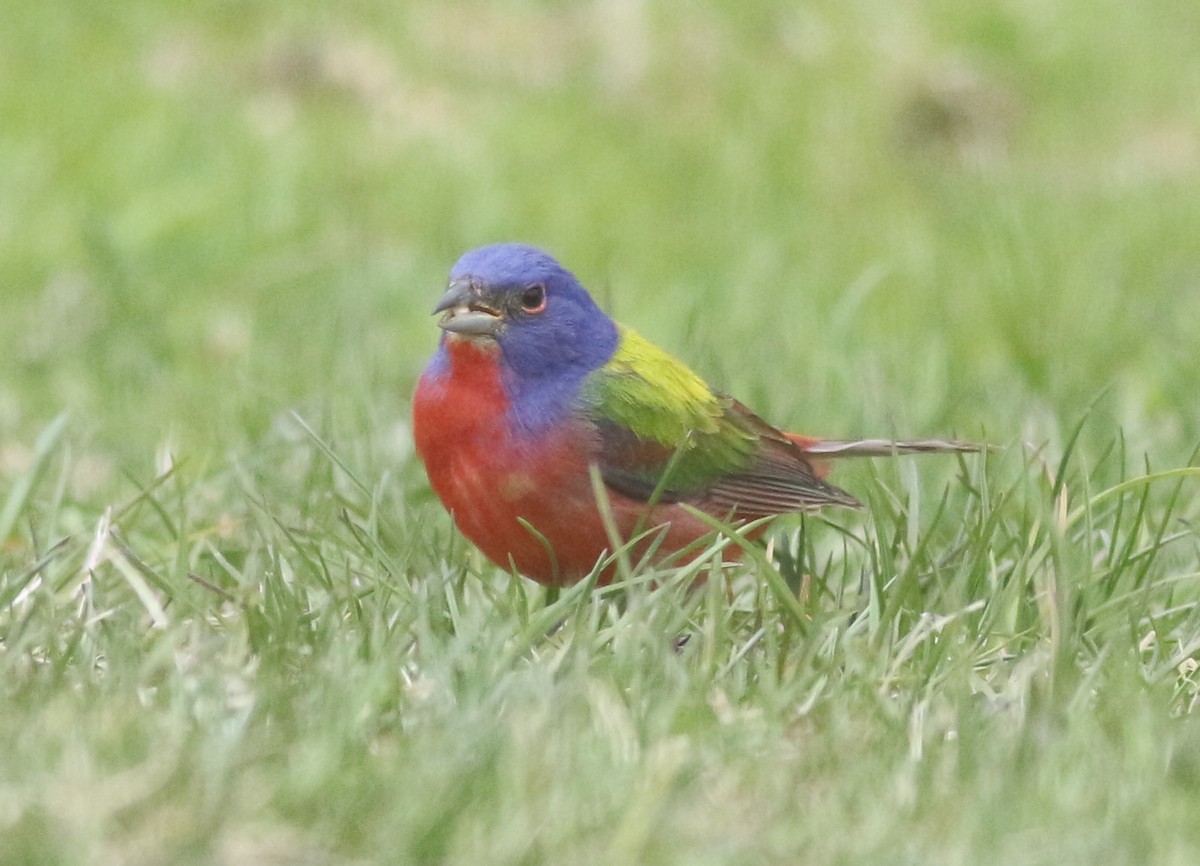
point(464, 311)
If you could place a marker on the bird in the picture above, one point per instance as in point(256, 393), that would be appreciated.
point(544, 427)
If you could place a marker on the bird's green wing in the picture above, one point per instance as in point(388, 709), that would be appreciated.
point(664, 434)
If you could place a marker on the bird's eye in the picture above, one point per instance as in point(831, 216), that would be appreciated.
point(533, 299)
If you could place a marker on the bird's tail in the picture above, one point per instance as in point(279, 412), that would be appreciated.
point(825, 450)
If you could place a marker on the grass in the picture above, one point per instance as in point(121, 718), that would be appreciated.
point(235, 626)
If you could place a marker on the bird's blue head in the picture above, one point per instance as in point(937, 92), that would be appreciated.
point(549, 331)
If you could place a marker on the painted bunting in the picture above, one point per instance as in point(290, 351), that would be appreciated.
point(534, 392)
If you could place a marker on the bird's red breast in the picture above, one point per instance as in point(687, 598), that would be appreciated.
point(497, 483)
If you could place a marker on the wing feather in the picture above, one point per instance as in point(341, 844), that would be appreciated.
point(664, 434)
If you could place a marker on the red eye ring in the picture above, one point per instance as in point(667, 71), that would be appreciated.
point(533, 299)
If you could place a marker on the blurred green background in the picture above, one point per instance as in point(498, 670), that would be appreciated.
point(862, 218)
point(224, 638)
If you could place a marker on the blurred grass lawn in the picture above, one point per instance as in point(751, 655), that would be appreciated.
point(862, 218)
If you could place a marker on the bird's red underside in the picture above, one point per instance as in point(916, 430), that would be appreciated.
point(491, 479)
